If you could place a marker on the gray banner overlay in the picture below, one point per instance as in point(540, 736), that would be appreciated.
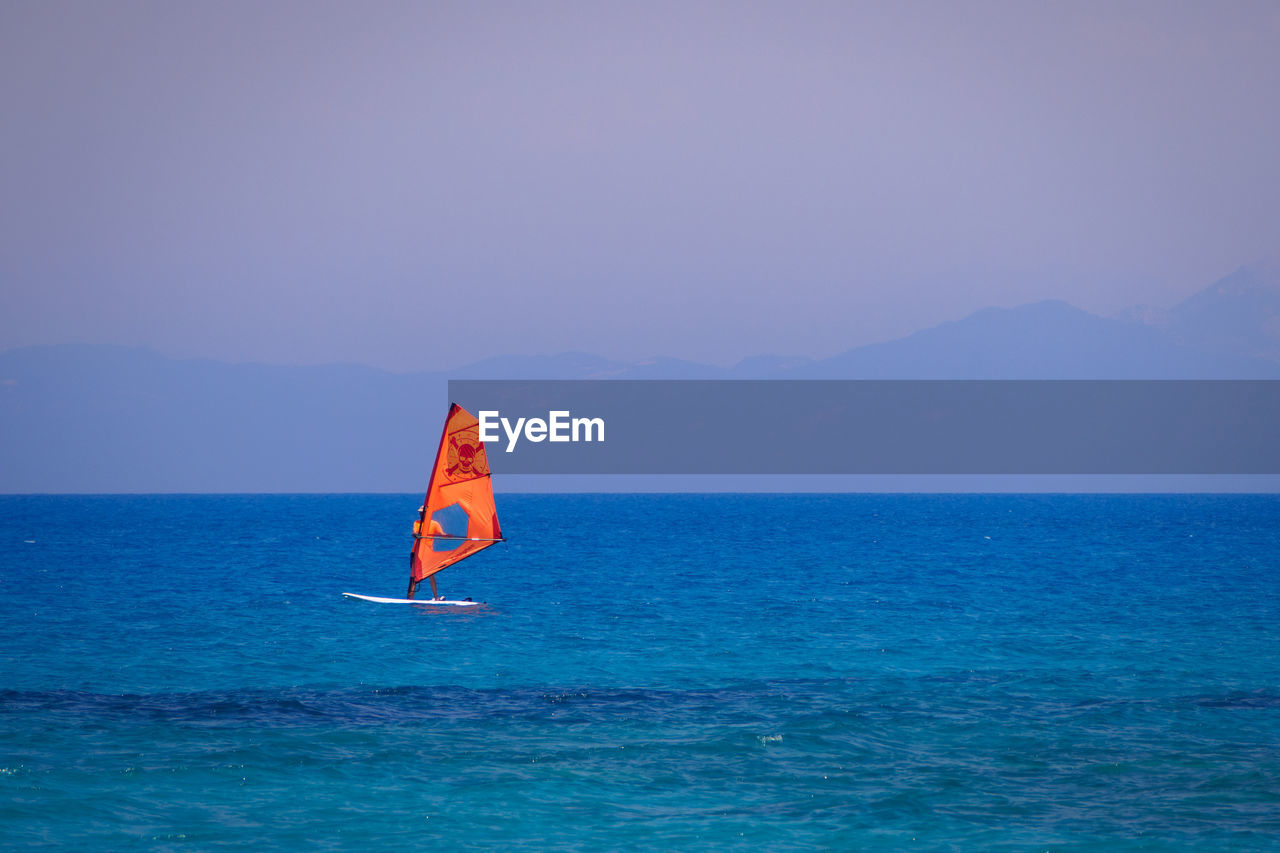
point(890, 427)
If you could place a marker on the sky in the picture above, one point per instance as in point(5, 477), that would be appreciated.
point(420, 185)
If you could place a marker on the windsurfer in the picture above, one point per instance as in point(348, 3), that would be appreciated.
point(433, 530)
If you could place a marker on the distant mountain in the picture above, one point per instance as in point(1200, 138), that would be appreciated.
point(578, 365)
point(113, 419)
point(1044, 340)
point(768, 367)
point(81, 418)
point(1239, 315)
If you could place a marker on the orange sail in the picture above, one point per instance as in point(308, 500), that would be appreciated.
point(458, 517)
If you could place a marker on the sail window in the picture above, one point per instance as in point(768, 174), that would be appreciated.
point(453, 520)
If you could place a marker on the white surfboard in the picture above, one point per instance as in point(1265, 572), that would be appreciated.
point(437, 602)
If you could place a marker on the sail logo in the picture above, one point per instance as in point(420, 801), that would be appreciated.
point(466, 456)
point(558, 426)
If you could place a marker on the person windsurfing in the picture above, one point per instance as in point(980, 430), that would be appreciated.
point(434, 529)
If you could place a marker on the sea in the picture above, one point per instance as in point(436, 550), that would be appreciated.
point(688, 672)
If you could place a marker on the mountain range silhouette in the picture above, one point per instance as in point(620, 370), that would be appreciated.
point(96, 418)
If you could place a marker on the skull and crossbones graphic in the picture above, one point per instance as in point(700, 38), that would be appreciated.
point(466, 456)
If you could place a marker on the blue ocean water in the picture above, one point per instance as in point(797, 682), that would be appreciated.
point(778, 672)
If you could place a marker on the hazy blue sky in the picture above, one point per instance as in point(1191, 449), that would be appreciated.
point(419, 185)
